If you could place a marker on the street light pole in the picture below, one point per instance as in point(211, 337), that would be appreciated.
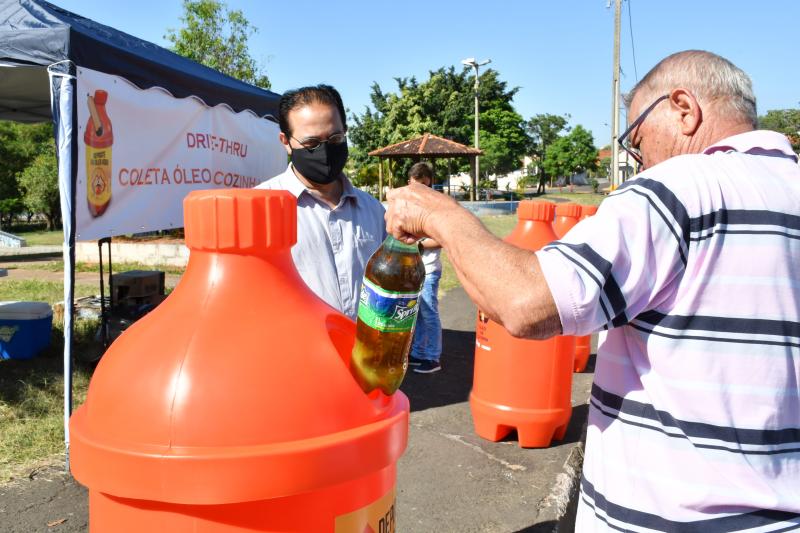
point(470, 61)
point(615, 102)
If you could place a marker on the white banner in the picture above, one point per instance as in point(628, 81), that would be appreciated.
point(141, 152)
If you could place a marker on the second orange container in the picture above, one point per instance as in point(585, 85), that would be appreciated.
point(522, 384)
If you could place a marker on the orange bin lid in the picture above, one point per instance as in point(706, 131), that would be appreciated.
point(236, 387)
point(533, 210)
point(568, 210)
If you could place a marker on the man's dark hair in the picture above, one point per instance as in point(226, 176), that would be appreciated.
point(296, 98)
point(421, 170)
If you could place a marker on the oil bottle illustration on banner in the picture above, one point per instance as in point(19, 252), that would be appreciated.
point(387, 313)
point(98, 138)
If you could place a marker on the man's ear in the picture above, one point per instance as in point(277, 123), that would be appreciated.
point(688, 109)
point(285, 143)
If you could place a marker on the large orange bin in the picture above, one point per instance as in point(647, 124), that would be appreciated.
point(230, 407)
point(522, 384)
point(567, 215)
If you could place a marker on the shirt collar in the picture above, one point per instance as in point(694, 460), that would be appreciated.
point(293, 184)
point(756, 142)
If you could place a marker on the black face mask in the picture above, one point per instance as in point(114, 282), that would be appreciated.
point(323, 165)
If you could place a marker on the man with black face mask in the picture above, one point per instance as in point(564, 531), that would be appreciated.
point(338, 226)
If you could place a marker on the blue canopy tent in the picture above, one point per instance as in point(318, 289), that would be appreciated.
point(41, 46)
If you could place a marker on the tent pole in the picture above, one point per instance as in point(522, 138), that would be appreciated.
point(64, 110)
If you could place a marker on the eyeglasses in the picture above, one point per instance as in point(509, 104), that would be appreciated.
point(634, 152)
point(312, 143)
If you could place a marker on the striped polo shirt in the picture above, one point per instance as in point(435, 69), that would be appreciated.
point(693, 267)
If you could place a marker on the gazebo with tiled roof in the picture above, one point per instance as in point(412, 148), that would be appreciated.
point(428, 146)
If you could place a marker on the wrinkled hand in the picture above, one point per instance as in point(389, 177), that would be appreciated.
point(412, 212)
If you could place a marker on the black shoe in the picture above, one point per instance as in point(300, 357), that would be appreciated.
point(428, 367)
point(414, 361)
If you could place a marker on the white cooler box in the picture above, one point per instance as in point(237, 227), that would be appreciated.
point(24, 329)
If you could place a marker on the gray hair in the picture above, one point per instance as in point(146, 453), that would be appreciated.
point(711, 78)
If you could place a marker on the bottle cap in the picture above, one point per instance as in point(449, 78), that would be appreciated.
point(568, 210)
point(100, 97)
point(240, 220)
point(539, 211)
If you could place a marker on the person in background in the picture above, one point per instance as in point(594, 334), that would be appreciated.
point(692, 266)
point(426, 348)
point(338, 226)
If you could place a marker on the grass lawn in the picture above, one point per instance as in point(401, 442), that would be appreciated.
point(31, 402)
point(500, 225)
point(39, 291)
point(31, 391)
point(58, 266)
point(575, 197)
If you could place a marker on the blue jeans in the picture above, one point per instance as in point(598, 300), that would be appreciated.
point(427, 342)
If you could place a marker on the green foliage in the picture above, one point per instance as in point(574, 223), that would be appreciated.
point(786, 121)
point(366, 176)
point(39, 184)
point(503, 140)
point(543, 130)
point(604, 168)
point(218, 37)
point(571, 154)
point(443, 105)
point(19, 145)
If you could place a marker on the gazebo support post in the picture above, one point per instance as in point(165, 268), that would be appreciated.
point(474, 178)
point(380, 179)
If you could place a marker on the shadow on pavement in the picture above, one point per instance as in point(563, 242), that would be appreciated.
point(452, 383)
point(543, 527)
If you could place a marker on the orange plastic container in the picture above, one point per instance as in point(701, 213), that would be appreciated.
point(522, 384)
point(230, 407)
point(567, 215)
point(588, 210)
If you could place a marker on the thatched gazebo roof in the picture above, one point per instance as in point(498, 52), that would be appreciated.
point(427, 146)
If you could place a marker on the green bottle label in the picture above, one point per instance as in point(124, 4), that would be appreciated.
point(389, 311)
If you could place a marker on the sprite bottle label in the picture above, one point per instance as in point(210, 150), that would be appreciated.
point(389, 311)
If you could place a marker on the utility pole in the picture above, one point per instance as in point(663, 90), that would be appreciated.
point(614, 178)
point(470, 61)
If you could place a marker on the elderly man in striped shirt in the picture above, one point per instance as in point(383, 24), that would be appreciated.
point(693, 267)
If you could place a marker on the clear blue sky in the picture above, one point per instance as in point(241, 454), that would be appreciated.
point(558, 52)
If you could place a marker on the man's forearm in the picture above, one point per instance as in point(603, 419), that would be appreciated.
point(503, 280)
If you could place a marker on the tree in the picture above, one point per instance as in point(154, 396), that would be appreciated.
point(39, 183)
point(443, 105)
point(503, 140)
point(19, 145)
point(786, 121)
point(571, 154)
point(218, 38)
point(543, 130)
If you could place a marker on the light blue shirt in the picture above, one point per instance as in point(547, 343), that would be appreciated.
point(333, 245)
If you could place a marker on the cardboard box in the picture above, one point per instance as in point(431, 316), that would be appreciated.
point(136, 284)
